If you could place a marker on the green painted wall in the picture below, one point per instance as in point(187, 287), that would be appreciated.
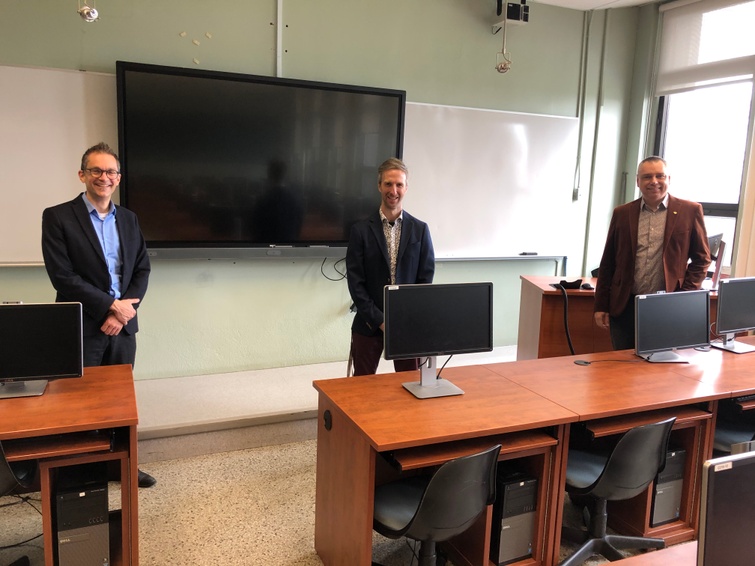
point(212, 316)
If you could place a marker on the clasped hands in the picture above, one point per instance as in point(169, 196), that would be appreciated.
point(121, 311)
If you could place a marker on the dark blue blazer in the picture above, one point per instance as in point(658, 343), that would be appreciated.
point(368, 267)
point(76, 264)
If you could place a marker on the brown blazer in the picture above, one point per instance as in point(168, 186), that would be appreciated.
point(685, 239)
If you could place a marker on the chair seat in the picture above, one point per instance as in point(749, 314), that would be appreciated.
point(728, 433)
point(396, 504)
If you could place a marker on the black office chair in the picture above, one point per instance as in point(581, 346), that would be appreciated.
point(622, 473)
point(728, 434)
point(433, 508)
point(12, 477)
point(734, 426)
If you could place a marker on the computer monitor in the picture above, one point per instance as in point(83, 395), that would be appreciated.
point(666, 322)
point(430, 320)
point(727, 521)
point(38, 342)
point(735, 313)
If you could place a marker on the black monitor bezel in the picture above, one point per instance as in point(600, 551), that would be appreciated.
point(76, 320)
point(711, 513)
point(389, 349)
point(243, 248)
point(721, 305)
point(670, 296)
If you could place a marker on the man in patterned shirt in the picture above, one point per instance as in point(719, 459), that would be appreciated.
point(655, 243)
point(390, 247)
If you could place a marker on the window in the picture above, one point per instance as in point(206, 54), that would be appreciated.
point(705, 80)
point(705, 143)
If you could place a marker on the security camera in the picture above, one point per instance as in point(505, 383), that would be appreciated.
point(88, 14)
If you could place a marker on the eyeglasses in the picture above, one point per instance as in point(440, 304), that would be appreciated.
point(96, 172)
point(650, 177)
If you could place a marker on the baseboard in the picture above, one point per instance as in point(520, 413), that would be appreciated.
point(226, 440)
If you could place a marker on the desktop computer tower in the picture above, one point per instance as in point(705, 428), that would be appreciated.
point(513, 530)
point(667, 489)
point(81, 528)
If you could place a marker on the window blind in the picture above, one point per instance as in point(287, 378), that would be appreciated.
point(705, 42)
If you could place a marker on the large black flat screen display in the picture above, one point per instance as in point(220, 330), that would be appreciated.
point(215, 160)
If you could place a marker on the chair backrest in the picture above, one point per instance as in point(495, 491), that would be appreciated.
point(635, 461)
point(8, 481)
point(20, 475)
point(718, 260)
point(456, 495)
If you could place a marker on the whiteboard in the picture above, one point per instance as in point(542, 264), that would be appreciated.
point(492, 183)
point(48, 117)
point(489, 183)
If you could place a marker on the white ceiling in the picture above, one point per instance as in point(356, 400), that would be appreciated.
point(595, 4)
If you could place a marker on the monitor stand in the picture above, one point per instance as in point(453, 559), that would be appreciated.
point(429, 385)
point(669, 357)
point(29, 388)
point(731, 345)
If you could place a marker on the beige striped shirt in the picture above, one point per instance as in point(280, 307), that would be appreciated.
point(648, 263)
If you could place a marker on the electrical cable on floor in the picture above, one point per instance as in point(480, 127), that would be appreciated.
point(20, 499)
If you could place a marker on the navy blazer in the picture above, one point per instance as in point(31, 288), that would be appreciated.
point(368, 268)
point(76, 263)
point(686, 256)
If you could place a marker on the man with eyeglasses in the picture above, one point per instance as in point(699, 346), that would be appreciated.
point(95, 254)
point(655, 243)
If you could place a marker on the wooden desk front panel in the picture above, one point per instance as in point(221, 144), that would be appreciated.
point(345, 490)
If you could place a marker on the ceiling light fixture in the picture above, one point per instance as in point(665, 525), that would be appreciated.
point(503, 57)
point(88, 13)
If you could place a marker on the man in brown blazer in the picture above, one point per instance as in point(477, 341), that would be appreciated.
point(655, 243)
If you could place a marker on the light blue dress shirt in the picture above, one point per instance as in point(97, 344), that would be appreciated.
point(107, 234)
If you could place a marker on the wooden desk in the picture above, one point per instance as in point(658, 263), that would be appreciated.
point(374, 417)
point(371, 417)
point(725, 372)
point(59, 429)
point(618, 391)
point(541, 319)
